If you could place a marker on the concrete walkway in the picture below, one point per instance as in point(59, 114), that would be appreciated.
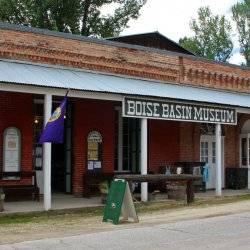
point(59, 201)
point(225, 192)
point(66, 201)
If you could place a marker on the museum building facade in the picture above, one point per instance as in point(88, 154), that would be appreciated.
point(135, 104)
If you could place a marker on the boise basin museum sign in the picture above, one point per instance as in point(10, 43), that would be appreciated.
point(155, 109)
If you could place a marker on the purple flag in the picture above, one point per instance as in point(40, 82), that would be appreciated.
point(54, 129)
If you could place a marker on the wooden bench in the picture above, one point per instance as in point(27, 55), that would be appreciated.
point(15, 192)
point(162, 178)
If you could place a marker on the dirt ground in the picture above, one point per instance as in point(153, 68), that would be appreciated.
point(69, 225)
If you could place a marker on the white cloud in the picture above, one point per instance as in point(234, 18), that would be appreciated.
point(172, 17)
point(237, 58)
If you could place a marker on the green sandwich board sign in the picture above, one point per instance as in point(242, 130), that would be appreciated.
point(119, 202)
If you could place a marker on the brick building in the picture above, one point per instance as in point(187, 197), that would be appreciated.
point(136, 103)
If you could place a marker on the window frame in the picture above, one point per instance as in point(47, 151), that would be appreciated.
point(19, 148)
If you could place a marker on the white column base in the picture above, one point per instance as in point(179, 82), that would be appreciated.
point(144, 191)
point(47, 176)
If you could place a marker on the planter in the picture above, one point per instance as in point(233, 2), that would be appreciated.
point(176, 192)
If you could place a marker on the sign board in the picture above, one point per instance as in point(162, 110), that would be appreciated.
point(12, 150)
point(154, 109)
point(119, 202)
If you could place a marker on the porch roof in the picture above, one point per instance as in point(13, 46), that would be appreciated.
point(58, 77)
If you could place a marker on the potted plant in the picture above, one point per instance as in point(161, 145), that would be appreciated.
point(2, 197)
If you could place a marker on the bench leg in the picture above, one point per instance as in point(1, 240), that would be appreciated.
point(37, 196)
point(190, 192)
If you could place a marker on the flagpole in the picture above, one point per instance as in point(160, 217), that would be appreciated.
point(67, 92)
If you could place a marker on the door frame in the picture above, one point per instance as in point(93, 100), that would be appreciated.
point(247, 136)
point(211, 139)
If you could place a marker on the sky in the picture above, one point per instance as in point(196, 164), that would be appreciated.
point(172, 17)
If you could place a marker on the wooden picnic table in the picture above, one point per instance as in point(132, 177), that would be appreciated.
point(156, 178)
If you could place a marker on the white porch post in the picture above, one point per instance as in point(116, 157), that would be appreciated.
point(218, 160)
point(47, 155)
point(120, 141)
point(144, 159)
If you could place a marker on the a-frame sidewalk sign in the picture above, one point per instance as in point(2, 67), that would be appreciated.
point(119, 203)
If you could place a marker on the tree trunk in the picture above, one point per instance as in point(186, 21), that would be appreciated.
point(85, 30)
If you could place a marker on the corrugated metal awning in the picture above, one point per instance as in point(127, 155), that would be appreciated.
point(39, 75)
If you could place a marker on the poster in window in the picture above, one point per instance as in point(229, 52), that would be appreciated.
point(97, 165)
point(94, 150)
point(93, 155)
point(11, 150)
point(90, 165)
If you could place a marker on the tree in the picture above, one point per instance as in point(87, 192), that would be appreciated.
point(211, 36)
point(82, 17)
point(241, 15)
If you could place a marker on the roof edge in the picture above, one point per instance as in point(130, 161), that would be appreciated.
point(46, 32)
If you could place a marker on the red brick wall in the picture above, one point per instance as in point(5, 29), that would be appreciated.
point(92, 115)
point(163, 143)
point(189, 141)
point(16, 111)
point(231, 144)
point(28, 46)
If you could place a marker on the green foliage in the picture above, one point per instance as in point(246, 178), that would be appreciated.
point(241, 15)
point(75, 16)
point(212, 36)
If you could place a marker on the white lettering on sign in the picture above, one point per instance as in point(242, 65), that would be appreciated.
point(156, 106)
point(230, 116)
point(149, 109)
point(131, 108)
point(178, 111)
point(165, 112)
point(197, 113)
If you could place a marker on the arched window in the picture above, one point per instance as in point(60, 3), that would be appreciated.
point(245, 145)
point(11, 150)
point(94, 150)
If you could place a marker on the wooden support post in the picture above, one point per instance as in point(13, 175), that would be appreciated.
point(190, 191)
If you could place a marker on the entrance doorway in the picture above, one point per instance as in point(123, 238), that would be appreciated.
point(61, 169)
point(61, 153)
point(127, 153)
point(245, 145)
point(208, 155)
